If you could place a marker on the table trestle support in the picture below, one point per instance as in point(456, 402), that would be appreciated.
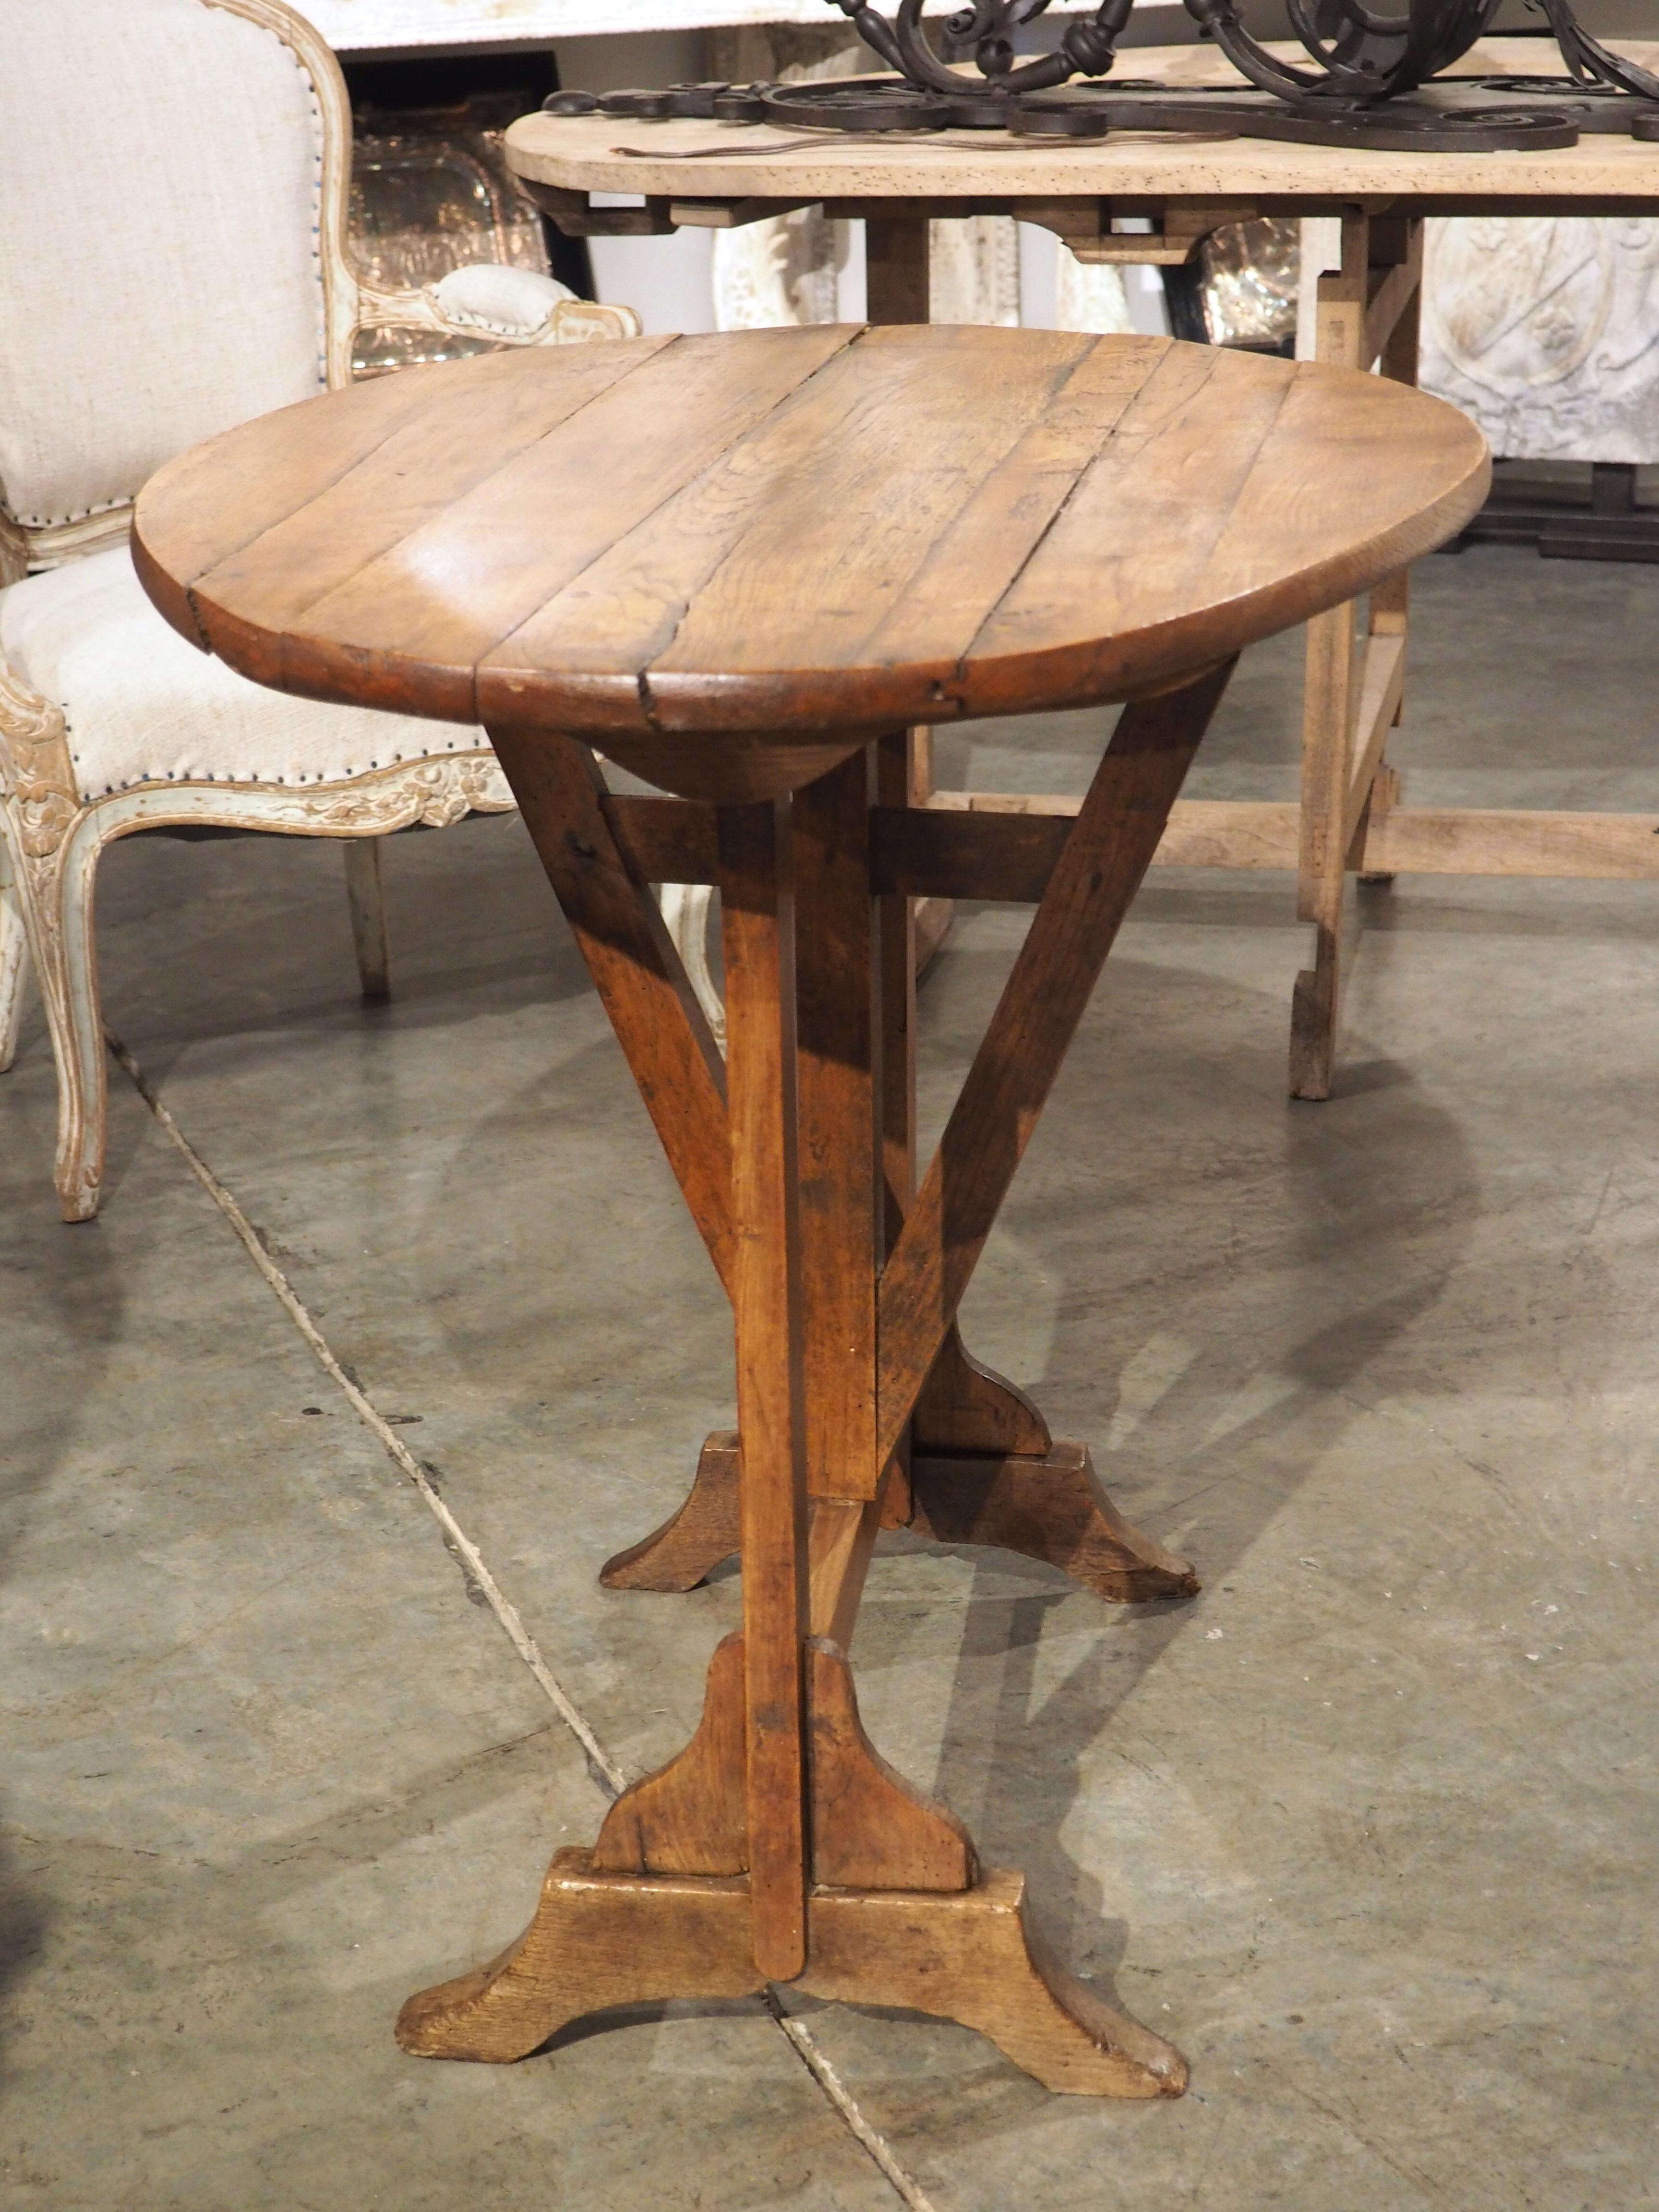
point(977, 1434)
point(899, 1913)
point(604, 1940)
point(778, 1846)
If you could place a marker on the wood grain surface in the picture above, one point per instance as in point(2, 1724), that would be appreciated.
point(778, 537)
point(757, 933)
point(599, 1939)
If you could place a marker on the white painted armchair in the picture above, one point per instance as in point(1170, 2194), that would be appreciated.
point(173, 261)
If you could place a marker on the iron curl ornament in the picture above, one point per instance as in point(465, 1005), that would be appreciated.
point(1376, 77)
point(1362, 54)
point(1372, 79)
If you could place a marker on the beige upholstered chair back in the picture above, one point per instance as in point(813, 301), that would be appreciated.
point(172, 189)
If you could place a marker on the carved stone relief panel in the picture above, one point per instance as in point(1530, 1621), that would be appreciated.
point(1545, 330)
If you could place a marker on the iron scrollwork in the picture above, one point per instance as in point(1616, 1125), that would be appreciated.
point(1363, 55)
point(1377, 80)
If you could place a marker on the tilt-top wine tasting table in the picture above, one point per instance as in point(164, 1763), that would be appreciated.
point(743, 567)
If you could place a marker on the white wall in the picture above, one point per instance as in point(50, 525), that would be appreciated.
point(666, 279)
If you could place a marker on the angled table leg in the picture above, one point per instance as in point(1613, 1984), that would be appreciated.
point(981, 1465)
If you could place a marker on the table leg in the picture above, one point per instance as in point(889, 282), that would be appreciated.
point(897, 288)
point(1391, 601)
point(778, 1845)
point(1355, 676)
point(979, 1463)
point(758, 924)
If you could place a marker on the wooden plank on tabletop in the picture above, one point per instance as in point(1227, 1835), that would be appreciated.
point(848, 443)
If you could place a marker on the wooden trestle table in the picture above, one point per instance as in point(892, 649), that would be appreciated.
point(745, 566)
point(1348, 820)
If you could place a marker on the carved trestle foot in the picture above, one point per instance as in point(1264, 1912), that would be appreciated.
point(596, 1940)
point(898, 1912)
point(1052, 1508)
point(600, 1941)
point(974, 1957)
point(694, 1539)
point(1049, 1507)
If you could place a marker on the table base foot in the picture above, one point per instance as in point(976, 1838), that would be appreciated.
point(1048, 1506)
point(974, 1957)
point(966, 1406)
point(600, 1941)
point(692, 1543)
point(596, 1940)
point(1052, 1508)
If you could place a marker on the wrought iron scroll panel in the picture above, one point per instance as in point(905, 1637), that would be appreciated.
point(1362, 54)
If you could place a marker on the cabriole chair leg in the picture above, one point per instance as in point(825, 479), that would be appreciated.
point(14, 958)
point(57, 893)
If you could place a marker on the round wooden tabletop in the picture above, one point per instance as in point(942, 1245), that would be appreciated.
point(794, 532)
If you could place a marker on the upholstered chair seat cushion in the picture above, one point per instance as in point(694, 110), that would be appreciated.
point(144, 707)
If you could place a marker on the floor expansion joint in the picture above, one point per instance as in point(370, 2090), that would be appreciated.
point(606, 1773)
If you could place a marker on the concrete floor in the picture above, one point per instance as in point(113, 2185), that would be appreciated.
point(1368, 1829)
